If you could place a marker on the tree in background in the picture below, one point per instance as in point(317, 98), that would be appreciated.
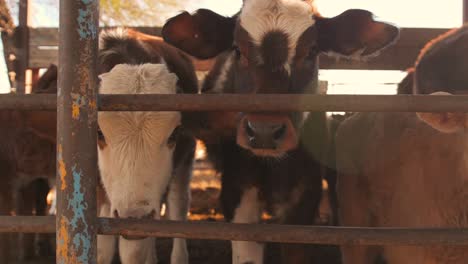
point(140, 12)
point(112, 12)
point(6, 22)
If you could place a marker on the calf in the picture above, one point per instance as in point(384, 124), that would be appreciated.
point(270, 161)
point(27, 156)
point(143, 154)
point(409, 170)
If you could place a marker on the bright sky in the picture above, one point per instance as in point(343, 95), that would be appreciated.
point(403, 13)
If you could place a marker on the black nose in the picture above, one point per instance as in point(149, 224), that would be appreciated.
point(265, 135)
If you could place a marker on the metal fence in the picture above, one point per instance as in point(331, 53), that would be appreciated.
point(76, 223)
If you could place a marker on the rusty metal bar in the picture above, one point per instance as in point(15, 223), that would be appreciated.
point(253, 232)
point(252, 103)
point(28, 102)
point(76, 220)
point(27, 224)
point(285, 233)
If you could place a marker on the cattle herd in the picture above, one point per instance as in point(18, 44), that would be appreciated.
point(383, 169)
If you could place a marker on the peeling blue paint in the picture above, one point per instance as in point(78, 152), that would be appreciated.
point(77, 204)
point(86, 26)
point(84, 241)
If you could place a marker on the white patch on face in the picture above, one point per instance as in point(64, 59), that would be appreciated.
point(222, 77)
point(292, 17)
point(136, 165)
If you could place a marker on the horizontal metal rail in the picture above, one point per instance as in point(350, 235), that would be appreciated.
point(253, 232)
point(27, 224)
point(28, 102)
point(254, 103)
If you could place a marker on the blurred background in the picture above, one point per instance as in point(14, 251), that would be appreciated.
point(414, 13)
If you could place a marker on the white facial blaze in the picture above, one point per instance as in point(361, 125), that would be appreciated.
point(136, 164)
point(221, 80)
point(292, 17)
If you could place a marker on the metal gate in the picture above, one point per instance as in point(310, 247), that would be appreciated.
point(76, 223)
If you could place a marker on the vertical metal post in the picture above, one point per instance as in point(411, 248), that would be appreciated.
point(22, 46)
point(76, 134)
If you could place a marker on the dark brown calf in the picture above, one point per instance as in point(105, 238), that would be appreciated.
point(272, 47)
point(270, 161)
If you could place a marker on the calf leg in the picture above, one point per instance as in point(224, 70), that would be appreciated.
point(42, 242)
point(24, 199)
point(178, 202)
point(248, 211)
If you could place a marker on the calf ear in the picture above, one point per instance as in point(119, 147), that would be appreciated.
point(355, 33)
point(204, 34)
point(445, 122)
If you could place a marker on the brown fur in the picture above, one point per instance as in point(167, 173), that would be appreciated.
point(407, 169)
point(402, 173)
point(443, 63)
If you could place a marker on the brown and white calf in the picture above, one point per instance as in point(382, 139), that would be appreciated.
point(407, 169)
point(143, 155)
point(270, 161)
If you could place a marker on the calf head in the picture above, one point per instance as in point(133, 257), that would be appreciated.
point(136, 148)
point(442, 69)
point(442, 64)
point(272, 46)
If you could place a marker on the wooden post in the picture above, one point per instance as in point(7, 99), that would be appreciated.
point(465, 11)
point(22, 46)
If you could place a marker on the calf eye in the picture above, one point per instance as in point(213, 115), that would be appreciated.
point(172, 140)
point(100, 135)
point(101, 140)
point(243, 60)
